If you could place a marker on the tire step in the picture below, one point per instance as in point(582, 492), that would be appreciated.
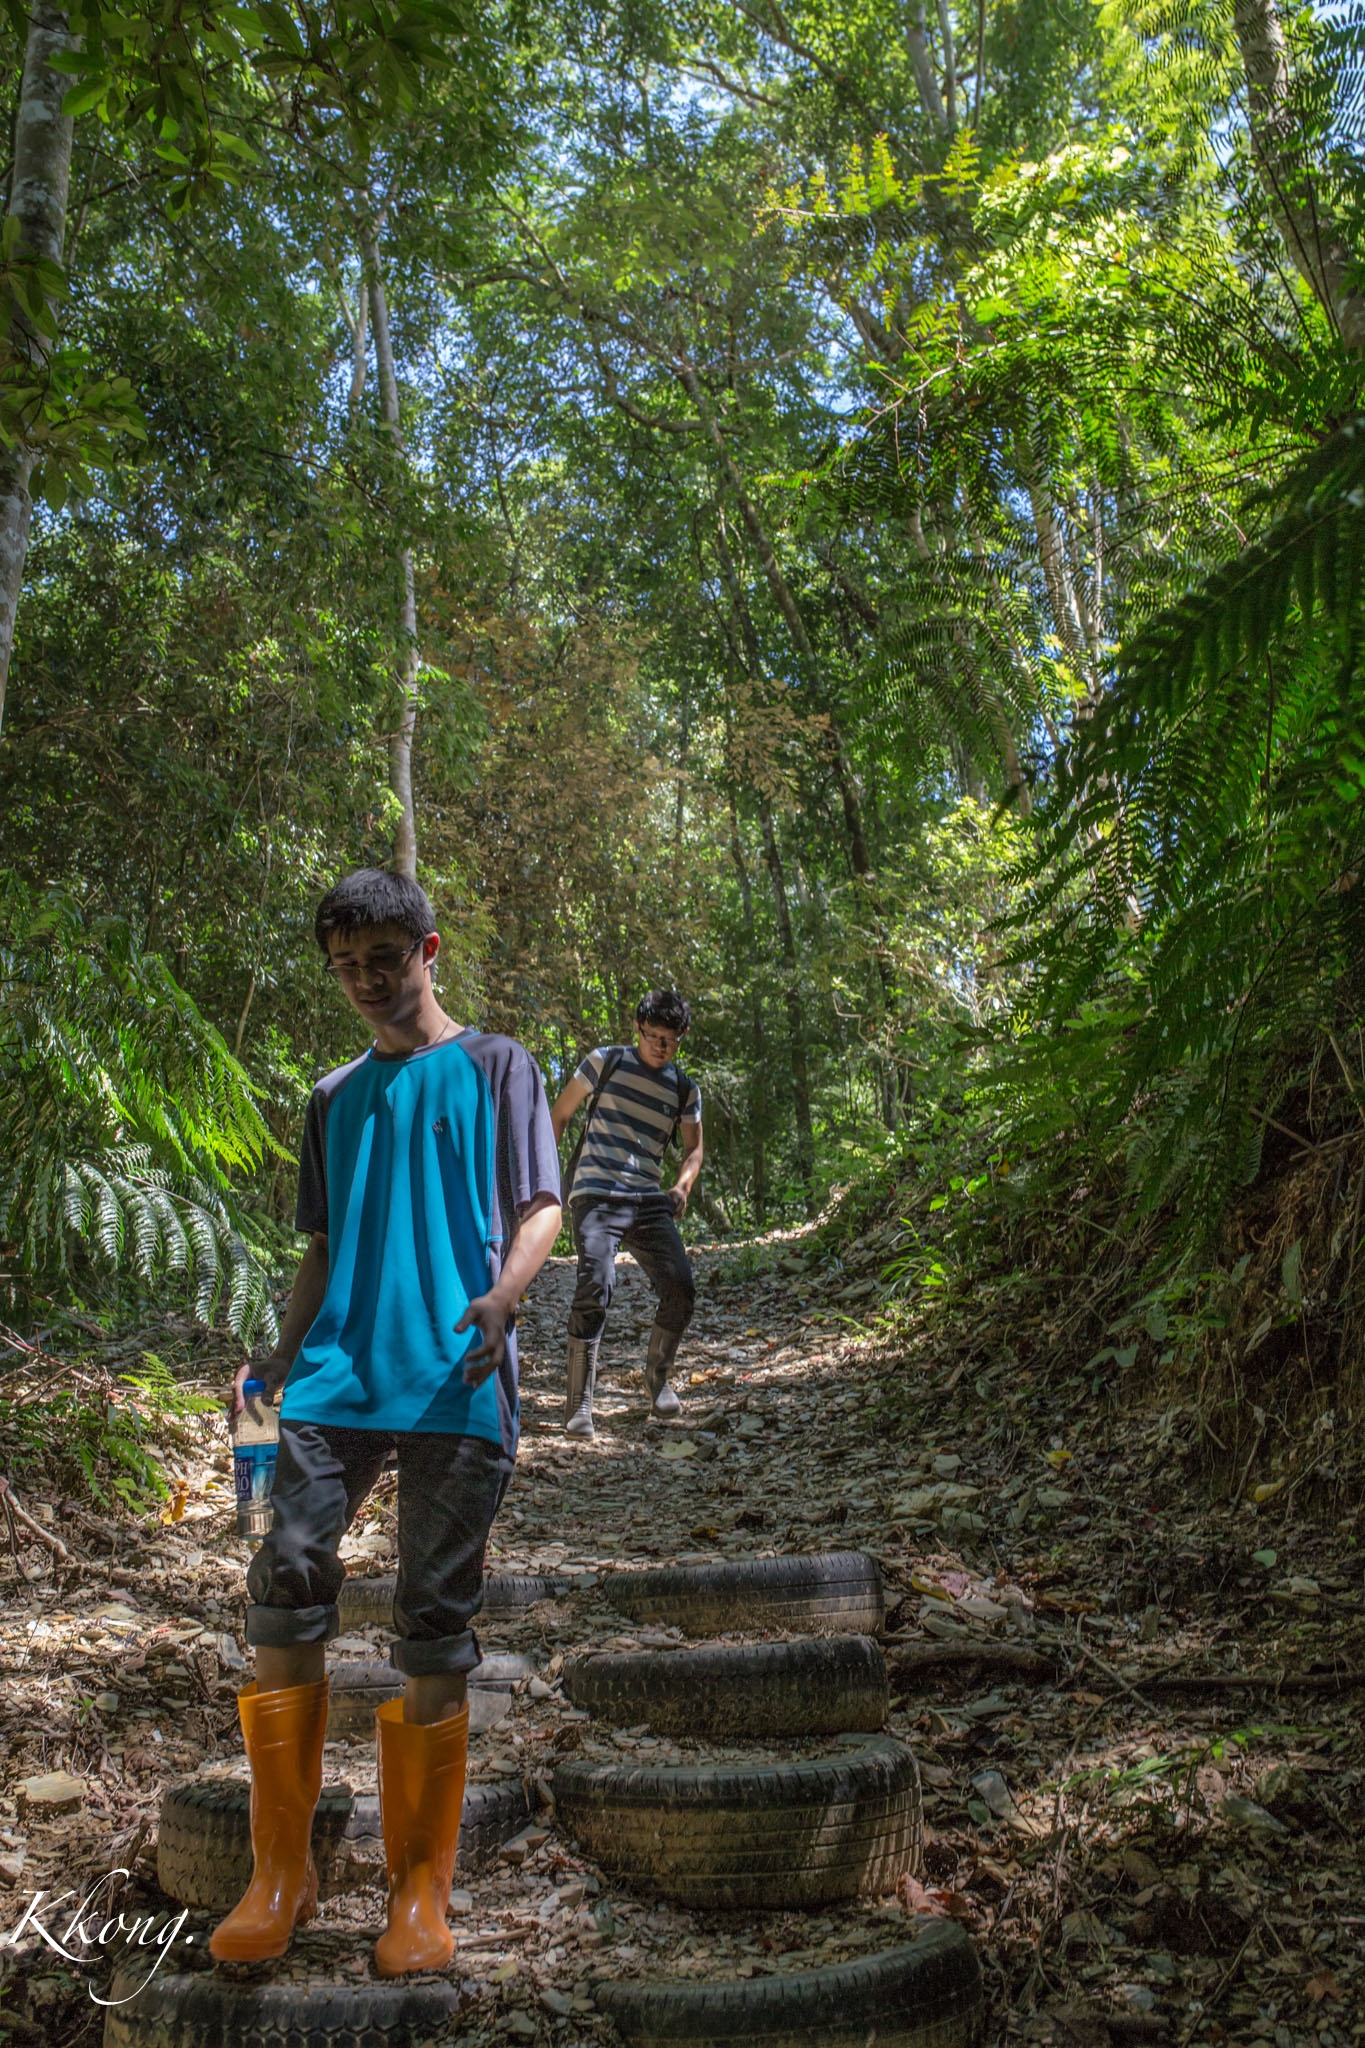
point(821, 1685)
point(357, 1689)
point(924, 1994)
point(764, 1837)
point(833, 1591)
point(368, 1603)
point(203, 1851)
point(169, 2009)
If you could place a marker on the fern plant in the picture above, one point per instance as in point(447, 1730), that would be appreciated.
point(123, 1117)
point(1204, 870)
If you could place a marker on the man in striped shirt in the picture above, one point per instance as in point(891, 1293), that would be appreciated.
point(641, 1097)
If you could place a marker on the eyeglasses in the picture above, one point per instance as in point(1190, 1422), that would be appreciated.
point(388, 960)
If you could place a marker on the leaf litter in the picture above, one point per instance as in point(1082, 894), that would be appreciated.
point(1149, 1838)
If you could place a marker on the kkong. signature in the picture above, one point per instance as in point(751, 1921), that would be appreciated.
point(95, 1929)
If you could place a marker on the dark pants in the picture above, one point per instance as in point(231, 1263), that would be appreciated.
point(645, 1225)
point(449, 1489)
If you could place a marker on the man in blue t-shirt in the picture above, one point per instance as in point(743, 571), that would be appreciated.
point(637, 1097)
point(429, 1189)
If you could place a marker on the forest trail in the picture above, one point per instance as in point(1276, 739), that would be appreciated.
point(1136, 1861)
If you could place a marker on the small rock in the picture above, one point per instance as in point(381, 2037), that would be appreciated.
point(557, 2001)
point(948, 1466)
point(521, 2024)
point(978, 1607)
point(1245, 1813)
point(1140, 1869)
point(994, 1793)
point(461, 1902)
point(53, 1792)
point(1284, 1789)
point(107, 1702)
point(12, 1866)
point(539, 1690)
point(1140, 1997)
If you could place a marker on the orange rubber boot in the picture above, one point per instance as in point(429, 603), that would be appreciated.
point(421, 1794)
point(284, 1733)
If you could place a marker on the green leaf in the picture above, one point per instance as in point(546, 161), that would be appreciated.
point(83, 99)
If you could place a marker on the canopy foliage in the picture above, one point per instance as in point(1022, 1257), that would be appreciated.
point(857, 511)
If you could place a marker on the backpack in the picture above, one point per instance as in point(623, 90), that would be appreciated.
point(609, 1065)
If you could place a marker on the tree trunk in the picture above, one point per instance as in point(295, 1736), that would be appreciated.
point(758, 1088)
point(1319, 249)
point(805, 1139)
point(922, 60)
point(949, 63)
point(796, 1022)
point(360, 336)
point(38, 200)
point(400, 741)
point(772, 568)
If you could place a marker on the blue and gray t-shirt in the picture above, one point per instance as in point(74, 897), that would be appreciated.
point(417, 1166)
point(623, 1148)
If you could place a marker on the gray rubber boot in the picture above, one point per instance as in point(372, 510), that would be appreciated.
point(582, 1367)
point(663, 1345)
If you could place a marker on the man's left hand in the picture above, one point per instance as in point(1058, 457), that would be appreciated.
point(678, 1197)
point(492, 1316)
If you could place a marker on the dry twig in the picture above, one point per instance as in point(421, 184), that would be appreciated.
point(12, 1508)
point(916, 1657)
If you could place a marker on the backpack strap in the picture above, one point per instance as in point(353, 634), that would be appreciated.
point(684, 1092)
point(615, 1055)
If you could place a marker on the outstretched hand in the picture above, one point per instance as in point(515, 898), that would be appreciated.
point(274, 1370)
point(491, 1316)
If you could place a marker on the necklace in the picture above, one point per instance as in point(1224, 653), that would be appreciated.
point(451, 1025)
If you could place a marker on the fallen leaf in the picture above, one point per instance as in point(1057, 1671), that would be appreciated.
point(944, 1905)
point(1323, 1985)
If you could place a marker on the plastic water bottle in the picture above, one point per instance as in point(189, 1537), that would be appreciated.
point(255, 1447)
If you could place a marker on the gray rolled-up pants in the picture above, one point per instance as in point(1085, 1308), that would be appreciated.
point(645, 1225)
point(449, 1489)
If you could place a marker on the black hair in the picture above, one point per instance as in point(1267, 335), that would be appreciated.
point(370, 897)
point(666, 1007)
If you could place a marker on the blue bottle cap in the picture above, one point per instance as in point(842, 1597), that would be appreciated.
point(250, 1387)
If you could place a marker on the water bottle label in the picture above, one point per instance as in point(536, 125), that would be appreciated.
point(253, 1471)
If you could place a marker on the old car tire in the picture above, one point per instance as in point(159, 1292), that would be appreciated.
point(368, 1603)
point(767, 1837)
point(836, 1591)
point(819, 1685)
point(203, 1850)
point(223, 2012)
point(924, 1994)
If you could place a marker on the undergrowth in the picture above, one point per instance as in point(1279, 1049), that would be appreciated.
point(1054, 1261)
point(78, 1428)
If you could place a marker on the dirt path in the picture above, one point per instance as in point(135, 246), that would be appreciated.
point(1138, 1861)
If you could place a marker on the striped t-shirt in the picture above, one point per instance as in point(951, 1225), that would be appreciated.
point(623, 1152)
